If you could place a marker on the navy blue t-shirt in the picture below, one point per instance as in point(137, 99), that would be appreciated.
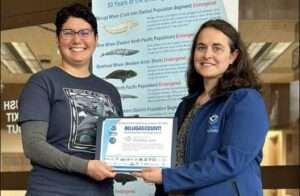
point(72, 107)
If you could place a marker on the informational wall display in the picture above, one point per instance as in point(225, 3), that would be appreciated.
point(144, 48)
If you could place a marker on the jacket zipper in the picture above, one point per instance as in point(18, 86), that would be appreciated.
point(236, 189)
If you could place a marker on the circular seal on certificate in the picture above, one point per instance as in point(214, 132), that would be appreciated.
point(112, 140)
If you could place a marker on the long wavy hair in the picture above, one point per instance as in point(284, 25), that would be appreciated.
point(240, 74)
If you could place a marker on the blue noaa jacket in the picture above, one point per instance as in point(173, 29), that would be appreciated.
point(223, 148)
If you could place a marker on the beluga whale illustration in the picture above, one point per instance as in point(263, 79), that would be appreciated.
point(120, 28)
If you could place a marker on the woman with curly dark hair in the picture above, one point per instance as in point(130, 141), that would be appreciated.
point(222, 122)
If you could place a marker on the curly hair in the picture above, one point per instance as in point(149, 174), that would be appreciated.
point(75, 10)
point(240, 74)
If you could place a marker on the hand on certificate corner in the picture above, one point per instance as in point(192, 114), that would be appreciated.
point(98, 170)
point(150, 175)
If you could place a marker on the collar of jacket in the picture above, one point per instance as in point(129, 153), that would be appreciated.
point(196, 94)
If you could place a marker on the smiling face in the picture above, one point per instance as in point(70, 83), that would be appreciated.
point(212, 55)
point(76, 50)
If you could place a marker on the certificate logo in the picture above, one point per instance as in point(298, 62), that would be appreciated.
point(113, 131)
point(112, 140)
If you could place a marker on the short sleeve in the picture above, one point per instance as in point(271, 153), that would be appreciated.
point(34, 101)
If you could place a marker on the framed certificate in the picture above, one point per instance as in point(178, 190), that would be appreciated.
point(131, 144)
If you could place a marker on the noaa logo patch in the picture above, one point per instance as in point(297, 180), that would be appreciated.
point(213, 119)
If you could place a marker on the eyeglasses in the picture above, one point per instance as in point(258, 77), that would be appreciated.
point(70, 33)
